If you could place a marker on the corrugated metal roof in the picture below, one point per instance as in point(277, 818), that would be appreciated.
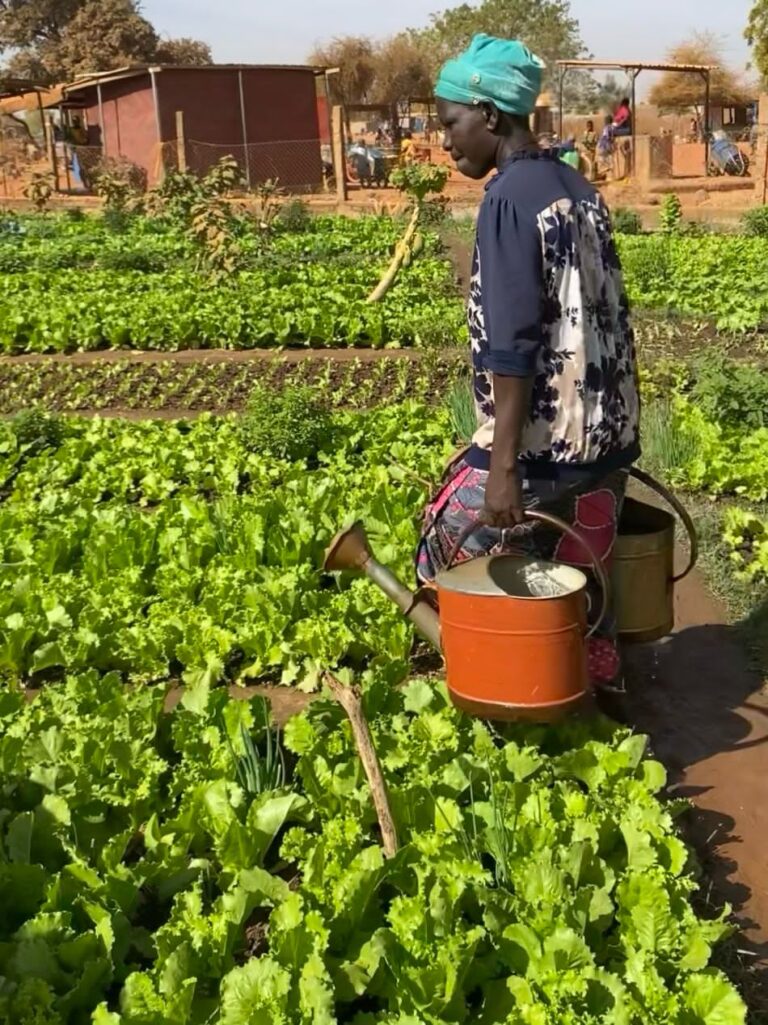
point(29, 101)
point(635, 65)
point(87, 81)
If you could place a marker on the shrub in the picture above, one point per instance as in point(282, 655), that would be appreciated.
point(294, 215)
point(118, 181)
point(627, 222)
point(731, 393)
point(39, 191)
point(37, 430)
point(288, 424)
point(137, 259)
point(117, 221)
point(695, 229)
point(755, 222)
point(671, 214)
point(435, 211)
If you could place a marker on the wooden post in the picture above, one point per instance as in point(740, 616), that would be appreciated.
point(50, 142)
point(244, 121)
point(339, 157)
point(761, 149)
point(181, 142)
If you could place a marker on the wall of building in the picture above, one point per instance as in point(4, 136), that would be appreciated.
point(281, 120)
point(688, 158)
point(130, 127)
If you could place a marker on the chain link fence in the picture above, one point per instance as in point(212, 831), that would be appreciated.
point(299, 166)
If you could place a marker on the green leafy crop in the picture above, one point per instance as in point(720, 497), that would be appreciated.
point(291, 423)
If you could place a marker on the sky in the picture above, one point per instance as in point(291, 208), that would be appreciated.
point(267, 31)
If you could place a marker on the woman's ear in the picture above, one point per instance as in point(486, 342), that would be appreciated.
point(491, 115)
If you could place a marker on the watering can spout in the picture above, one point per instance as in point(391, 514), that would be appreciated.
point(350, 550)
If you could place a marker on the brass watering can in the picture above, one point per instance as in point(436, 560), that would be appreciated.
point(643, 564)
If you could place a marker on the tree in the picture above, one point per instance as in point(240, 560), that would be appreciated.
point(757, 36)
point(103, 34)
point(354, 57)
point(610, 93)
point(53, 40)
point(402, 70)
point(547, 27)
point(187, 52)
point(680, 91)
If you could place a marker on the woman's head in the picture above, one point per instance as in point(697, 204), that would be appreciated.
point(473, 134)
point(484, 98)
point(625, 102)
point(590, 126)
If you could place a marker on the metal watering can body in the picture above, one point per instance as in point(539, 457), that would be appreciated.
point(512, 630)
point(643, 565)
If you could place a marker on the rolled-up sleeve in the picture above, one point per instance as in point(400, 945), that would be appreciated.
point(511, 267)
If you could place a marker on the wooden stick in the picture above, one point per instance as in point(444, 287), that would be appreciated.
point(351, 701)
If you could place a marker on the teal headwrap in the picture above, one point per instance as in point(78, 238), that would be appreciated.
point(502, 71)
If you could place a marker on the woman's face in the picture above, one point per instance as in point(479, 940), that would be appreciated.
point(469, 137)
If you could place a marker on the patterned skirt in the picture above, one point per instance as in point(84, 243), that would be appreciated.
point(593, 507)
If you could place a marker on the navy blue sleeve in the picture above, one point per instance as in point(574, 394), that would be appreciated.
point(511, 268)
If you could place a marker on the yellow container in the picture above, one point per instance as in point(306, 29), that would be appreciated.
point(643, 568)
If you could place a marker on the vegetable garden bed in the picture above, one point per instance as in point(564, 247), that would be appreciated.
point(150, 880)
point(150, 872)
point(174, 549)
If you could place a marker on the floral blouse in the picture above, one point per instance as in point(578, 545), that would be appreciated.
point(547, 301)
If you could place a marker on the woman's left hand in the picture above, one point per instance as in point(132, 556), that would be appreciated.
point(503, 499)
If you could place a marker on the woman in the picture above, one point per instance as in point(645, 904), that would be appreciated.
point(605, 148)
point(589, 147)
point(552, 346)
point(622, 119)
point(407, 149)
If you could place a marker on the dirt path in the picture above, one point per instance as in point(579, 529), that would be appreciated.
point(300, 355)
point(707, 714)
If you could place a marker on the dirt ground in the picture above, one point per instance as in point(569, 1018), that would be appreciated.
point(706, 712)
point(347, 355)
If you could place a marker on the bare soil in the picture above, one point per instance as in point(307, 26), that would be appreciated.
point(345, 355)
point(284, 701)
point(706, 712)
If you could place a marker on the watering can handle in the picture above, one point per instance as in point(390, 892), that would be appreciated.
point(682, 512)
point(564, 528)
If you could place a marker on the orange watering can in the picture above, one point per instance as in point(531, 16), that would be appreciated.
point(512, 630)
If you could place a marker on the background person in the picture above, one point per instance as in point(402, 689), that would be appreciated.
point(622, 119)
point(552, 347)
point(589, 148)
point(605, 148)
